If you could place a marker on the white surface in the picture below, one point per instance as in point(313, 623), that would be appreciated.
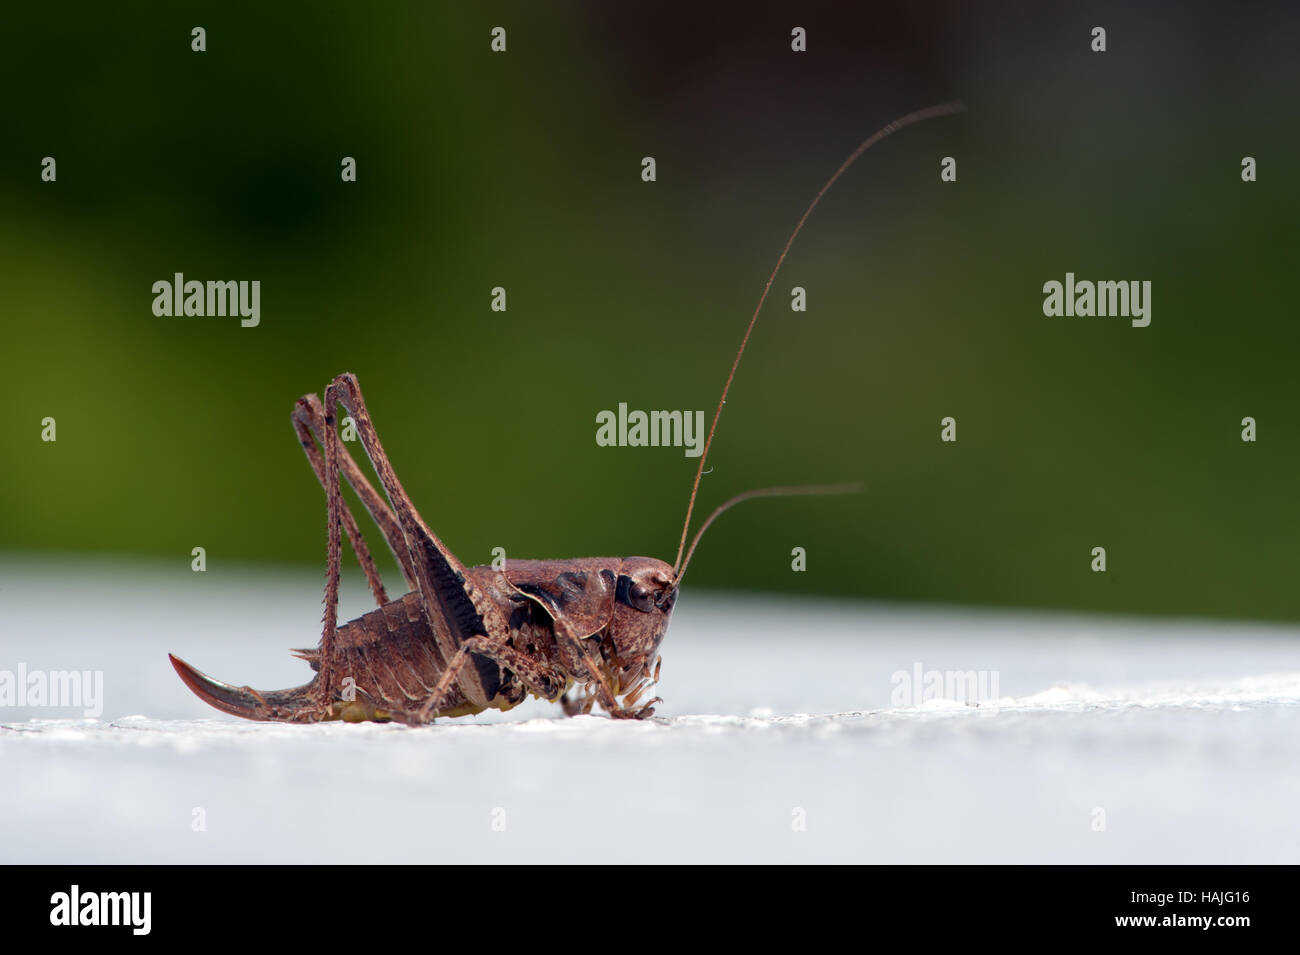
point(1187, 735)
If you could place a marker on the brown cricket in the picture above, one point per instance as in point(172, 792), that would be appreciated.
point(466, 639)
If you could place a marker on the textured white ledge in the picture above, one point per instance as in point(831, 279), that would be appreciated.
point(1187, 734)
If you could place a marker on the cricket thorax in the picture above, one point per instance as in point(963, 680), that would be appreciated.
point(602, 618)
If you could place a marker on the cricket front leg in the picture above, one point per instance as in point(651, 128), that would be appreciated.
point(582, 701)
point(600, 684)
point(633, 696)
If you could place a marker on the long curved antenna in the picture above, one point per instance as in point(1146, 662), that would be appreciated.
point(801, 490)
point(943, 109)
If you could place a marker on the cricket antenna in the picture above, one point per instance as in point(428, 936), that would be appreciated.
point(679, 568)
point(802, 490)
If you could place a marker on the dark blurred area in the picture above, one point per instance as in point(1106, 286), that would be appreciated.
point(522, 170)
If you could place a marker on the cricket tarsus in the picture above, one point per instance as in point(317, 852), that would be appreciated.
point(462, 640)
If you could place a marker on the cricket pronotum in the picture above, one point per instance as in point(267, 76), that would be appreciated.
point(466, 639)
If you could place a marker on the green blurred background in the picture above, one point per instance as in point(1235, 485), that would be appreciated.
point(523, 170)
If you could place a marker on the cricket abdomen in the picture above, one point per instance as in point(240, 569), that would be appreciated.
point(391, 656)
point(385, 666)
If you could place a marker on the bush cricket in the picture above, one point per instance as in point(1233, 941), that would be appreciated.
point(466, 639)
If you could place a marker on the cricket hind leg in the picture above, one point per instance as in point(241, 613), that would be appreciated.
point(541, 679)
point(309, 424)
point(445, 601)
point(454, 606)
point(395, 653)
point(317, 432)
point(322, 699)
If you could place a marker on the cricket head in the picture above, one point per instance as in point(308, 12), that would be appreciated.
point(645, 592)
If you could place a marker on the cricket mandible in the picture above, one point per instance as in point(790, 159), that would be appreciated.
point(466, 639)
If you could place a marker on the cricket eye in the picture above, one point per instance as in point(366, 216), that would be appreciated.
point(634, 595)
point(641, 599)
